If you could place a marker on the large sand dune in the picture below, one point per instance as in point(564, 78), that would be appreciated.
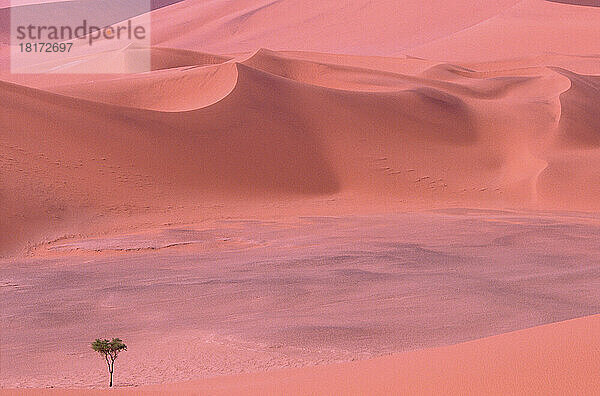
point(378, 28)
point(278, 126)
point(275, 110)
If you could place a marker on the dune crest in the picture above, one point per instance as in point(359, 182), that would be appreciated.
point(295, 125)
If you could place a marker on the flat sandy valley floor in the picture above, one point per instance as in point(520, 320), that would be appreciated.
point(247, 296)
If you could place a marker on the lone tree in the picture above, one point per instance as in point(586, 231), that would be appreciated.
point(109, 350)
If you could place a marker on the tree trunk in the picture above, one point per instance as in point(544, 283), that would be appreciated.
point(111, 372)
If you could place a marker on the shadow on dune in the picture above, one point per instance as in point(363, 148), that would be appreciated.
point(156, 4)
point(587, 3)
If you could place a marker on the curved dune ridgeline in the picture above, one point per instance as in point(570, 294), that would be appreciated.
point(277, 125)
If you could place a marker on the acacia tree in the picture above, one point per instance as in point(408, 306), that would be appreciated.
point(109, 350)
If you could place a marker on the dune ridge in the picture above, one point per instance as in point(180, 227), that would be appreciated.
point(301, 126)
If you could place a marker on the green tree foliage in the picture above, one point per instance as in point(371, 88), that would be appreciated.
point(109, 350)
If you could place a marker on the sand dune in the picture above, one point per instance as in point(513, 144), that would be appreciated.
point(560, 358)
point(99, 168)
point(466, 31)
point(530, 27)
point(192, 87)
point(555, 359)
point(437, 133)
point(579, 125)
point(225, 27)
